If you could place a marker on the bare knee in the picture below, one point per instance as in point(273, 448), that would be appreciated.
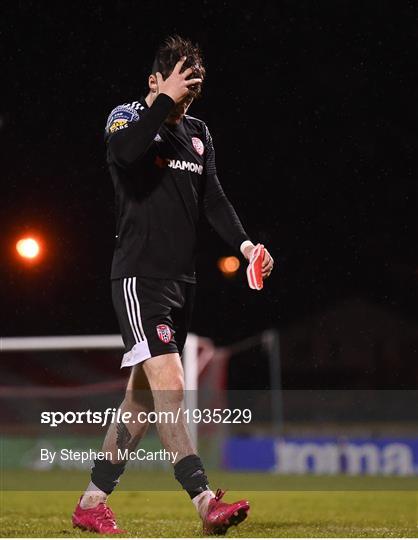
point(173, 394)
point(165, 375)
point(138, 395)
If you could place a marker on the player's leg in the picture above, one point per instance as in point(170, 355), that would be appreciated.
point(166, 378)
point(217, 516)
point(138, 399)
point(120, 437)
point(92, 513)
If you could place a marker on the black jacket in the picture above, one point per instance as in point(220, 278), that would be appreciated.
point(164, 176)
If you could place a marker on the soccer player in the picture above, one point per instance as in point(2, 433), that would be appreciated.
point(162, 164)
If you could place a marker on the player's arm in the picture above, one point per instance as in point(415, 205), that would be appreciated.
point(130, 136)
point(222, 215)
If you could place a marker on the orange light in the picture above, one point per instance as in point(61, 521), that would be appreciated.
point(28, 248)
point(228, 265)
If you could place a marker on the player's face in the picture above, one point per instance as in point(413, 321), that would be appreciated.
point(179, 110)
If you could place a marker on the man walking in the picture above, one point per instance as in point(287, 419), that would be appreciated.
point(162, 165)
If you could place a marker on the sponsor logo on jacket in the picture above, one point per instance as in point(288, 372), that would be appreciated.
point(179, 164)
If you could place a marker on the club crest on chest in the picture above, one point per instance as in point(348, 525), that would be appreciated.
point(198, 145)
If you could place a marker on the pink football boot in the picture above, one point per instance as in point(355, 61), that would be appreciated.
point(99, 519)
point(220, 515)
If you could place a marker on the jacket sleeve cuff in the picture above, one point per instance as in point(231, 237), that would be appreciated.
point(164, 103)
point(244, 245)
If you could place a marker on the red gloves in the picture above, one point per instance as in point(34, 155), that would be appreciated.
point(254, 270)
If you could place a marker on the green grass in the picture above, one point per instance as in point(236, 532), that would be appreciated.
point(356, 512)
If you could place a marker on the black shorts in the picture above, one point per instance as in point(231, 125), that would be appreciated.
point(154, 316)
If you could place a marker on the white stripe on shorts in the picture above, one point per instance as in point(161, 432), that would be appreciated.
point(140, 351)
point(128, 304)
point(134, 312)
point(138, 309)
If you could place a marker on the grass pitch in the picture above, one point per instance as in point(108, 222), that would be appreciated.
point(355, 511)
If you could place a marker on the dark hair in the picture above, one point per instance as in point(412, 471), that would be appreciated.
point(170, 52)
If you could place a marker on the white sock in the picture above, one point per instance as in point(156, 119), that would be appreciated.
point(201, 502)
point(92, 497)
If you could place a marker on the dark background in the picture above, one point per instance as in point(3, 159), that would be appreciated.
point(313, 110)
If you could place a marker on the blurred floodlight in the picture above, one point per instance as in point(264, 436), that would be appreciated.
point(228, 265)
point(28, 248)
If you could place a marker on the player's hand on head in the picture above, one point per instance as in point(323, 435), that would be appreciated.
point(176, 85)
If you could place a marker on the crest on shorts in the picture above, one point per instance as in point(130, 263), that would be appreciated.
point(198, 145)
point(164, 333)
